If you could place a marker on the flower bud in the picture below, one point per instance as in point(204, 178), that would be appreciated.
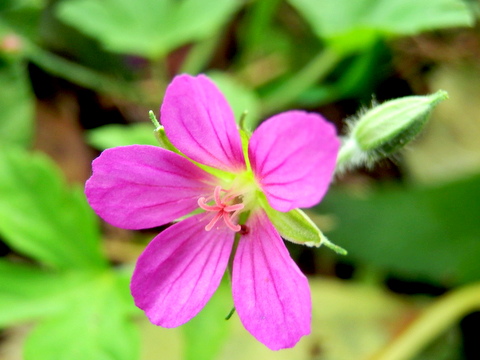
point(386, 128)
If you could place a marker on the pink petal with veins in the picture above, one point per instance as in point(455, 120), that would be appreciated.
point(293, 156)
point(271, 295)
point(141, 186)
point(180, 270)
point(199, 122)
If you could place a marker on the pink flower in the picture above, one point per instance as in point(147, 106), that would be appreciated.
point(224, 189)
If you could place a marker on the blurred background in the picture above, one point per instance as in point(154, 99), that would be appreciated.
point(79, 76)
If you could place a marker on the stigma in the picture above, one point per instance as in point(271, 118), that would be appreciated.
point(226, 205)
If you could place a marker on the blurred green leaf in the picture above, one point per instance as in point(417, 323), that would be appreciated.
point(27, 292)
point(16, 102)
point(353, 321)
point(349, 321)
point(351, 25)
point(41, 217)
point(85, 307)
point(93, 326)
point(14, 4)
point(239, 97)
point(261, 35)
point(113, 135)
point(23, 18)
point(449, 149)
point(150, 28)
point(86, 312)
point(6, 4)
point(357, 76)
point(206, 333)
point(427, 234)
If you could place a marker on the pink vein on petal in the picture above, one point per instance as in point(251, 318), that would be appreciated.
point(142, 186)
point(298, 150)
point(270, 293)
point(201, 124)
point(179, 271)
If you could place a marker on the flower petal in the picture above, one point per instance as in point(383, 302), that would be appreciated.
point(180, 270)
point(293, 156)
point(141, 186)
point(271, 295)
point(199, 121)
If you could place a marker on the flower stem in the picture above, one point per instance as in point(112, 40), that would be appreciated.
point(431, 323)
point(317, 69)
point(348, 150)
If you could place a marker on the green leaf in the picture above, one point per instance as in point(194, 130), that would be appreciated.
point(355, 320)
point(44, 219)
point(23, 18)
point(15, 4)
point(449, 149)
point(419, 233)
point(349, 321)
point(16, 102)
point(352, 25)
point(109, 136)
point(27, 292)
point(94, 326)
point(207, 332)
point(150, 28)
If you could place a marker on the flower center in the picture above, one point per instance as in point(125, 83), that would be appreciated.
point(227, 205)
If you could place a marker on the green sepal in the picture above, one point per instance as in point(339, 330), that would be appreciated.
point(160, 135)
point(245, 138)
point(163, 141)
point(297, 227)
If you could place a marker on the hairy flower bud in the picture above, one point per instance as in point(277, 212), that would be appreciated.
point(386, 128)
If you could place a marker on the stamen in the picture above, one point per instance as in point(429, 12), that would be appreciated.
point(212, 222)
point(202, 202)
point(235, 213)
point(233, 207)
point(222, 208)
point(230, 224)
point(216, 195)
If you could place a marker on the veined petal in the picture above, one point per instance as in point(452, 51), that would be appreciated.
point(271, 295)
point(199, 122)
point(141, 186)
point(293, 156)
point(180, 270)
